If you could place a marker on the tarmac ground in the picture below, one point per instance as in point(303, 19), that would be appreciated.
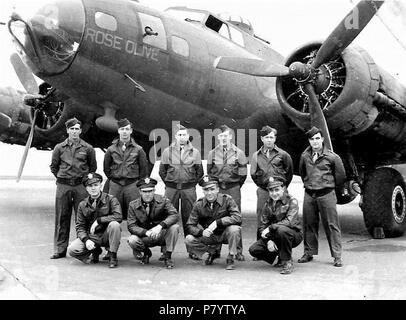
point(373, 269)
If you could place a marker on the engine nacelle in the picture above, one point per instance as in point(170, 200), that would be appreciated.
point(346, 88)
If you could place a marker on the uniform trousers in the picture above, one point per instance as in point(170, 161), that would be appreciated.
point(199, 245)
point(285, 239)
point(110, 238)
point(67, 198)
point(124, 195)
point(235, 192)
point(188, 197)
point(262, 197)
point(167, 237)
point(324, 207)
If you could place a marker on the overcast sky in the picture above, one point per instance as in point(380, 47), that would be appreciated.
point(285, 23)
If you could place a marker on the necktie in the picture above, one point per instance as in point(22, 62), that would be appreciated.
point(94, 203)
point(315, 156)
point(123, 147)
point(147, 209)
point(224, 155)
point(268, 154)
point(211, 205)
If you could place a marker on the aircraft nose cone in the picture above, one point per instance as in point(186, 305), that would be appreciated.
point(49, 35)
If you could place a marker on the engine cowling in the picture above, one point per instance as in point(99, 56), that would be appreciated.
point(346, 88)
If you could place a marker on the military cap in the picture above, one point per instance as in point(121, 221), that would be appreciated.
point(314, 130)
point(146, 183)
point(208, 180)
point(274, 182)
point(224, 128)
point(123, 122)
point(180, 127)
point(92, 177)
point(71, 122)
point(267, 130)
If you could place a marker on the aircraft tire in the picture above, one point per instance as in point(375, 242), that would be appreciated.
point(384, 202)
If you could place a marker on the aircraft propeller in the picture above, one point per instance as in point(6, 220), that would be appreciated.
point(34, 100)
point(24, 74)
point(306, 74)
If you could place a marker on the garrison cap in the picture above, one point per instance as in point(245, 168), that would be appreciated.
point(208, 180)
point(267, 130)
point(123, 122)
point(224, 128)
point(274, 182)
point(179, 127)
point(71, 122)
point(146, 183)
point(314, 130)
point(92, 177)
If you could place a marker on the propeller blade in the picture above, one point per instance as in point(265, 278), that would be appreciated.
point(317, 118)
point(24, 74)
point(5, 121)
point(252, 67)
point(347, 30)
point(27, 147)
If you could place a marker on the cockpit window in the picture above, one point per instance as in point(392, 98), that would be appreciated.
point(105, 21)
point(218, 26)
point(236, 36)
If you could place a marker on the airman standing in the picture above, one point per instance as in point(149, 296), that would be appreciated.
point(269, 161)
point(180, 169)
point(72, 160)
point(125, 162)
point(322, 171)
point(228, 164)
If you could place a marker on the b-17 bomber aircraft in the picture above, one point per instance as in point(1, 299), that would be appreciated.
point(102, 60)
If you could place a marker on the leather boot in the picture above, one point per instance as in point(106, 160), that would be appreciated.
point(168, 260)
point(230, 262)
point(147, 255)
point(305, 258)
point(113, 260)
point(106, 257)
point(95, 255)
point(279, 263)
point(58, 255)
point(287, 267)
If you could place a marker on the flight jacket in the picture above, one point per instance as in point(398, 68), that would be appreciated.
point(225, 212)
point(161, 212)
point(181, 170)
point(326, 172)
point(107, 209)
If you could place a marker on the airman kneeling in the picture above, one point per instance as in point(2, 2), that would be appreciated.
point(280, 227)
point(152, 221)
point(97, 225)
point(215, 219)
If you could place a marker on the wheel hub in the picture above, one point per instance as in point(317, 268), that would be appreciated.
point(398, 204)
